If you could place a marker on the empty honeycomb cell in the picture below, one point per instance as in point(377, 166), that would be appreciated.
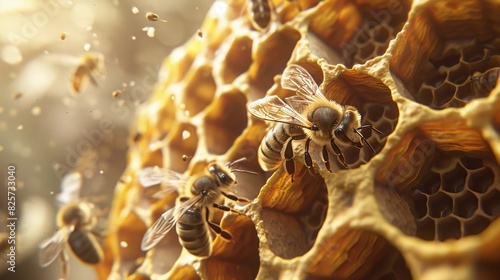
point(443, 95)
point(225, 120)
point(420, 203)
point(288, 211)
point(471, 163)
point(454, 180)
point(448, 43)
point(237, 59)
point(352, 254)
point(475, 225)
point(271, 57)
point(178, 65)
point(465, 205)
point(426, 228)
point(182, 140)
point(480, 180)
point(237, 259)
point(490, 203)
point(448, 228)
point(441, 205)
point(199, 90)
point(431, 183)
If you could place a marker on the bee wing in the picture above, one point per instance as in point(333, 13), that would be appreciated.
point(70, 188)
point(52, 247)
point(297, 78)
point(154, 175)
point(272, 108)
point(297, 103)
point(165, 223)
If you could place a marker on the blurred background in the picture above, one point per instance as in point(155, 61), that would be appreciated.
point(47, 129)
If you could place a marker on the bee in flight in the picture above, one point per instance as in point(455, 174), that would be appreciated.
point(76, 221)
point(483, 84)
point(307, 115)
point(90, 64)
point(191, 216)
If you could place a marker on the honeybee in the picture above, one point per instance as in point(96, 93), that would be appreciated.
point(76, 221)
point(307, 115)
point(483, 84)
point(191, 216)
point(259, 14)
point(90, 64)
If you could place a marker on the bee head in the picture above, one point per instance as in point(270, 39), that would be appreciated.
point(221, 175)
point(345, 132)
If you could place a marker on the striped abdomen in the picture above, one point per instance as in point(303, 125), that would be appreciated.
point(85, 247)
point(193, 233)
point(270, 151)
point(260, 14)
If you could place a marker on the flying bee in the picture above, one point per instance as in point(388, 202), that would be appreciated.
point(307, 115)
point(90, 64)
point(259, 14)
point(191, 216)
point(483, 84)
point(76, 221)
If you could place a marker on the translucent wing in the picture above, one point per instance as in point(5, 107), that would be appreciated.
point(272, 108)
point(70, 188)
point(297, 78)
point(165, 223)
point(52, 247)
point(297, 103)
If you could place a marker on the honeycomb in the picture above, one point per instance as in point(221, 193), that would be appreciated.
point(425, 205)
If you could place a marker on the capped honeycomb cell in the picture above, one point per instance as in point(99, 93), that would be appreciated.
point(444, 60)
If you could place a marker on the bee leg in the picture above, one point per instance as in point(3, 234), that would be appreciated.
point(217, 229)
point(325, 159)
point(307, 156)
point(289, 164)
point(226, 208)
point(339, 154)
point(235, 198)
point(63, 259)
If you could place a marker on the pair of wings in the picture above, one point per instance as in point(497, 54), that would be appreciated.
point(273, 108)
point(154, 175)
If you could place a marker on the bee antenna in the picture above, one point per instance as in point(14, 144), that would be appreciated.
point(236, 161)
point(244, 171)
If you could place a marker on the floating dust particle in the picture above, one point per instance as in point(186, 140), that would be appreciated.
point(133, 38)
point(185, 157)
point(62, 36)
point(132, 83)
point(150, 31)
point(16, 95)
point(87, 46)
point(135, 10)
point(20, 127)
point(101, 172)
point(116, 93)
point(123, 244)
point(185, 134)
point(52, 192)
point(152, 16)
point(36, 111)
point(200, 34)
